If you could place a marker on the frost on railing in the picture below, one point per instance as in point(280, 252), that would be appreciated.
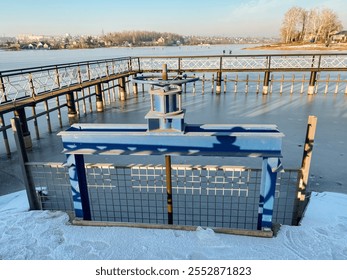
point(333, 61)
point(156, 63)
point(294, 62)
point(256, 62)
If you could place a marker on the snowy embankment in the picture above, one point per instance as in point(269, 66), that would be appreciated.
point(49, 235)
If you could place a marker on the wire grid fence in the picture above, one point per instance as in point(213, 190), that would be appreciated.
point(212, 196)
point(52, 185)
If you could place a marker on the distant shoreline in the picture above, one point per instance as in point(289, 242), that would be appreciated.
point(299, 47)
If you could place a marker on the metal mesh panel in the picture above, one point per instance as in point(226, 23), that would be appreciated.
point(285, 196)
point(126, 194)
point(213, 196)
point(52, 185)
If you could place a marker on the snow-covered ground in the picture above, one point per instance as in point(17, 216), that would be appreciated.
point(41, 235)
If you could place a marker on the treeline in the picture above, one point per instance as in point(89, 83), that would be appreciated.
point(315, 25)
point(142, 38)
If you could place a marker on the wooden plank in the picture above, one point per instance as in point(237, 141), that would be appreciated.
point(255, 233)
point(303, 175)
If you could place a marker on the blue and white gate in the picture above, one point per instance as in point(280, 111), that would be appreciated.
point(166, 134)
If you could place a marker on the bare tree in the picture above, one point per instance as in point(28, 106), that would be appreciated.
point(316, 25)
point(330, 23)
point(293, 24)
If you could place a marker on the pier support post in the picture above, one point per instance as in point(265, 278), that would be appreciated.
point(219, 83)
point(266, 82)
point(313, 79)
point(5, 137)
point(122, 92)
point(71, 108)
point(98, 96)
point(135, 88)
point(20, 114)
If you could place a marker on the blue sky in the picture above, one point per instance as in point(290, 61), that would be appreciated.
point(194, 17)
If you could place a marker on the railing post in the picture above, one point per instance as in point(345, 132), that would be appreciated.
point(99, 99)
point(20, 114)
point(34, 203)
point(179, 66)
point(164, 75)
point(32, 87)
point(267, 76)
point(313, 78)
point(71, 108)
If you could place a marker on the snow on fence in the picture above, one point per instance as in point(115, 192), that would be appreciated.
point(212, 196)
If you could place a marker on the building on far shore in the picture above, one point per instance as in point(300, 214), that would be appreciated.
point(340, 37)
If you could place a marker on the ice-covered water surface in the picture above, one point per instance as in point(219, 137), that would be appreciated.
point(288, 111)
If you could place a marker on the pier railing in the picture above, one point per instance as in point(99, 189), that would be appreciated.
point(19, 84)
point(31, 83)
point(250, 63)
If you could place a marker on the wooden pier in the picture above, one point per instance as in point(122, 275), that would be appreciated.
point(89, 86)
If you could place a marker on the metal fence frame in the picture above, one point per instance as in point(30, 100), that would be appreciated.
point(213, 196)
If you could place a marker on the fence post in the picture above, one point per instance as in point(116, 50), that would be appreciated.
point(305, 165)
point(34, 203)
point(270, 167)
point(79, 188)
point(169, 189)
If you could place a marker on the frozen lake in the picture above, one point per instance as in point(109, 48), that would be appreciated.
point(288, 111)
